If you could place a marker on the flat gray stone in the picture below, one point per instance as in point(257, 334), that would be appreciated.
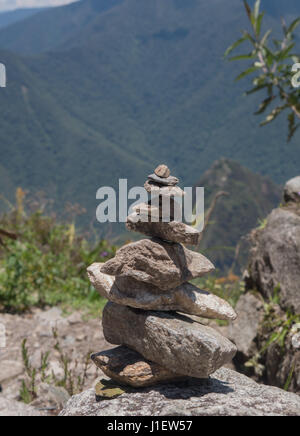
point(186, 298)
point(167, 191)
point(173, 231)
point(128, 367)
point(225, 393)
point(162, 264)
point(167, 181)
point(174, 341)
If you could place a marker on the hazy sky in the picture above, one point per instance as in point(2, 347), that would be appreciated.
point(6, 5)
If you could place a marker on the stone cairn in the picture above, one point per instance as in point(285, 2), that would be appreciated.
point(147, 285)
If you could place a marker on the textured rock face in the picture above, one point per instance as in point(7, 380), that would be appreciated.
point(171, 340)
point(159, 263)
point(251, 335)
point(16, 408)
point(292, 190)
point(226, 393)
point(166, 181)
point(167, 191)
point(275, 258)
point(162, 171)
point(171, 231)
point(244, 330)
point(130, 368)
point(185, 298)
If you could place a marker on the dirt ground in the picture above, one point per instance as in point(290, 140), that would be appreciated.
point(77, 338)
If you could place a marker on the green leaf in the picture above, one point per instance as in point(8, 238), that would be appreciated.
point(263, 106)
point(293, 26)
point(265, 37)
point(274, 114)
point(245, 73)
point(241, 57)
point(234, 46)
point(248, 10)
point(256, 9)
point(258, 23)
point(284, 53)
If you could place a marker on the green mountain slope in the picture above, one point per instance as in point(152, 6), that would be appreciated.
point(251, 198)
point(134, 83)
point(10, 17)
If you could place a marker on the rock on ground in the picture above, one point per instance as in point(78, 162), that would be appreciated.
point(130, 368)
point(186, 298)
point(159, 263)
point(275, 258)
point(78, 338)
point(173, 231)
point(225, 393)
point(174, 341)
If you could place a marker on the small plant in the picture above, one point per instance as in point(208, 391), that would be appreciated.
point(72, 380)
point(28, 388)
point(43, 262)
point(271, 67)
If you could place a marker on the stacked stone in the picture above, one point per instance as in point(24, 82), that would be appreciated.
point(147, 285)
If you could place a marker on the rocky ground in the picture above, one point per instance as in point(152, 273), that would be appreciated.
point(77, 337)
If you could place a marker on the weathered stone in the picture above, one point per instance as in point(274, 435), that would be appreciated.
point(292, 190)
point(167, 191)
point(162, 171)
point(174, 341)
point(274, 265)
point(226, 393)
point(186, 298)
point(162, 264)
point(243, 331)
point(169, 181)
point(156, 211)
point(173, 231)
point(128, 367)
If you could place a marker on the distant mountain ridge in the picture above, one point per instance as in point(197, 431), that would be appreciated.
point(251, 197)
point(11, 17)
point(126, 85)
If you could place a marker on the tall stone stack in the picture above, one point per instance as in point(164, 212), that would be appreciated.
point(147, 285)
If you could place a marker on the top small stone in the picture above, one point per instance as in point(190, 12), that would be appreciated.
point(162, 171)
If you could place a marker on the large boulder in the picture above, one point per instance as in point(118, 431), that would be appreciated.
point(185, 298)
point(162, 264)
point(226, 393)
point(274, 267)
point(174, 341)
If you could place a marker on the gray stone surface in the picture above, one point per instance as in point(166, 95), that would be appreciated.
point(275, 258)
point(171, 231)
point(128, 367)
point(162, 264)
point(167, 181)
point(292, 190)
point(226, 393)
point(185, 298)
point(244, 329)
point(168, 191)
point(162, 171)
point(16, 408)
point(174, 341)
